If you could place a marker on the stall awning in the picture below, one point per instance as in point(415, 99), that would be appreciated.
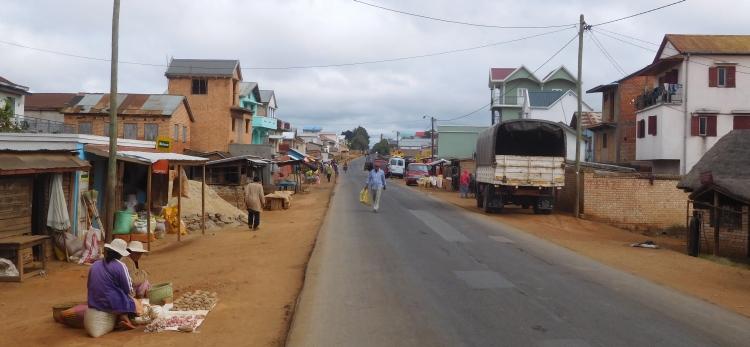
point(148, 158)
point(17, 163)
point(256, 161)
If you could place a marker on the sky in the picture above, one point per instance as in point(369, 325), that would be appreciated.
point(382, 97)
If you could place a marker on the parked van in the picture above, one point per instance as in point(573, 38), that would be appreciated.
point(398, 167)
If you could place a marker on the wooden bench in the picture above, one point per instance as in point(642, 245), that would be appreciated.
point(18, 244)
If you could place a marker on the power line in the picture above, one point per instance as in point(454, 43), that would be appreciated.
point(349, 124)
point(301, 67)
point(606, 54)
point(630, 37)
point(517, 84)
point(465, 23)
point(621, 40)
point(641, 13)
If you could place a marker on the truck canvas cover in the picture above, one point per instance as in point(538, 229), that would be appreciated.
point(521, 137)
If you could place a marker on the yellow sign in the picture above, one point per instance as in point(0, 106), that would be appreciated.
point(163, 144)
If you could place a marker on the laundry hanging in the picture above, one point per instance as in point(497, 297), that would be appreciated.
point(57, 214)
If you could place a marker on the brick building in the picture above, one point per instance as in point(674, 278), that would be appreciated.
point(212, 88)
point(615, 137)
point(139, 117)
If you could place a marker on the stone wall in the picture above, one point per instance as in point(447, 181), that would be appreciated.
point(633, 201)
point(733, 241)
point(233, 194)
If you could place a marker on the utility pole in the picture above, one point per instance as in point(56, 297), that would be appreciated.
point(398, 136)
point(432, 138)
point(112, 167)
point(579, 86)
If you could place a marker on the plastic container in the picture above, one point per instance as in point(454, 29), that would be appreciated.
point(123, 222)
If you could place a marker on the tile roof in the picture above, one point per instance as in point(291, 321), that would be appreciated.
point(500, 73)
point(544, 98)
point(48, 101)
point(707, 44)
point(202, 67)
point(128, 104)
point(589, 120)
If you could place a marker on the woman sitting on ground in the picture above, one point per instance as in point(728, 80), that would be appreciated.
point(110, 286)
point(138, 276)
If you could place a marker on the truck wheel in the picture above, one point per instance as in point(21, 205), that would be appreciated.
point(547, 212)
point(487, 193)
point(480, 198)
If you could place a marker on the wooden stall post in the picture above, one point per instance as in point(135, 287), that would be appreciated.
point(148, 206)
point(203, 200)
point(179, 201)
point(717, 220)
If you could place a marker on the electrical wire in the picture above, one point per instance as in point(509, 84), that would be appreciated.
point(641, 13)
point(621, 40)
point(630, 37)
point(348, 124)
point(517, 84)
point(606, 54)
point(464, 23)
point(301, 67)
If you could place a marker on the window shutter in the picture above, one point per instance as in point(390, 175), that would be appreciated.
point(711, 126)
point(640, 131)
point(713, 77)
point(741, 122)
point(731, 71)
point(652, 125)
point(695, 126)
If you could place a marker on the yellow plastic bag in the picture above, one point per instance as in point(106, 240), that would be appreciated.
point(173, 222)
point(364, 197)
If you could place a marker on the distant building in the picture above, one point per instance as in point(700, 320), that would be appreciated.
point(16, 93)
point(458, 141)
point(47, 106)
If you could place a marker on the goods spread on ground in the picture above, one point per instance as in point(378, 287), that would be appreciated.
point(184, 314)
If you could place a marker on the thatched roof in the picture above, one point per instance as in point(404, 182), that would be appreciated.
point(729, 162)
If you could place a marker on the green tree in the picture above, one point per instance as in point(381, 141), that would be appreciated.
point(382, 147)
point(348, 135)
point(6, 117)
point(363, 132)
point(359, 143)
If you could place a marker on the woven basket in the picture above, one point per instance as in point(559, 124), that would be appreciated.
point(57, 309)
point(98, 323)
point(158, 292)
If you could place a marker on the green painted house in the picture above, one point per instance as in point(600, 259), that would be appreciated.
point(458, 141)
point(508, 87)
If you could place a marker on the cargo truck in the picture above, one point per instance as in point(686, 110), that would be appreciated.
point(520, 162)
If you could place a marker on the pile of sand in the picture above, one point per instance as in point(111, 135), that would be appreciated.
point(214, 203)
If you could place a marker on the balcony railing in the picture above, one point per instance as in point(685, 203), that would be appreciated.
point(24, 124)
point(669, 94)
point(508, 101)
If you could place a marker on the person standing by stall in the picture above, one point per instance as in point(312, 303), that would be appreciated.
point(254, 201)
point(463, 182)
point(376, 184)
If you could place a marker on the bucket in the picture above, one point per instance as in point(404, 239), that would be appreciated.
point(123, 220)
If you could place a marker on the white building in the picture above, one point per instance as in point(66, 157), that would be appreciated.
point(701, 92)
point(555, 106)
point(16, 93)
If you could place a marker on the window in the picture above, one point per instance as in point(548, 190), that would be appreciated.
point(723, 77)
point(200, 86)
point(130, 131)
point(184, 134)
point(231, 175)
point(604, 140)
point(556, 90)
point(151, 131)
point(233, 125)
point(247, 126)
point(213, 175)
point(106, 129)
point(741, 122)
point(641, 129)
point(176, 133)
point(703, 126)
point(85, 128)
point(652, 125)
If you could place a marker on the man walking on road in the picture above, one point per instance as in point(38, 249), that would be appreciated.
point(464, 184)
point(375, 181)
point(329, 172)
point(254, 200)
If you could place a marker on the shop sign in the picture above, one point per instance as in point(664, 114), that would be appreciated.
point(163, 144)
point(160, 167)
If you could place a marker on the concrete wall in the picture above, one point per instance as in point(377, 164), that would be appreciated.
point(263, 151)
point(630, 201)
point(457, 141)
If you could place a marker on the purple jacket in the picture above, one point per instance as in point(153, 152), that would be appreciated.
point(109, 287)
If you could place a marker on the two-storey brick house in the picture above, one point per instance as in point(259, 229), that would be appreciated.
point(139, 117)
point(212, 88)
point(700, 90)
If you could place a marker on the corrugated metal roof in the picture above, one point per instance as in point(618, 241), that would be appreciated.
point(203, 67)
point(265, 96)
point(247, 87)
point(718, 44)
point(128, 104)
point(48, 101)
point(20, 163)
point(543, 98)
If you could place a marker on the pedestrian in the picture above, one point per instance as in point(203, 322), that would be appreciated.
point(336, 169)
point(254, 201)
point(463, 181)
point(376, 184)
point(329, 172)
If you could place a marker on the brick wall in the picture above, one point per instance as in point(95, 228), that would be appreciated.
point(235, 195)
point(733, 243)
point(165, 125)
point(212, 130)
point(631, 201)
point(628, 90)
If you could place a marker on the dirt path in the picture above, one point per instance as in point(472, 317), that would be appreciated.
point(257, 275)
point(719, 284)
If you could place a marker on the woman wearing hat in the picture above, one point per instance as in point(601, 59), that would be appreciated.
point(138, 276)
point(109, 285)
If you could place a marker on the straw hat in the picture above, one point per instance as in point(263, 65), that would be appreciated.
point(137, 247)
point(119, 246)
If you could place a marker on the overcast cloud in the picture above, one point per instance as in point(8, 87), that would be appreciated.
point(283, 33)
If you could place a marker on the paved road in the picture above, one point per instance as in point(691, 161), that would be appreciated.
point(422, 272)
